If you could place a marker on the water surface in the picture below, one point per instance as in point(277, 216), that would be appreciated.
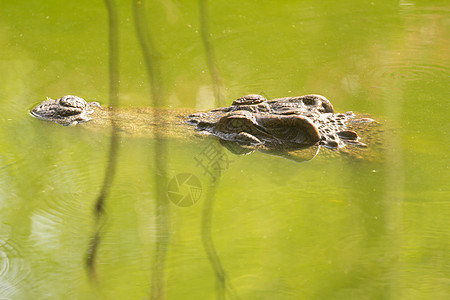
point(340, 226)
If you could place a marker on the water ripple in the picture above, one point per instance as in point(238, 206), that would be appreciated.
point(411, 72)
point(12, 269)
point(70, 189)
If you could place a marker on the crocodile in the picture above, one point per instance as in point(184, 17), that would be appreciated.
point(252, 122)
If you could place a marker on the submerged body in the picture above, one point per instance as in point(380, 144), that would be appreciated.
point(250, 123)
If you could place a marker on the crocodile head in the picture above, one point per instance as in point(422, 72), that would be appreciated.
point(280, 124)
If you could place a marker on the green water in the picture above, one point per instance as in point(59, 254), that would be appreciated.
point(261, 227)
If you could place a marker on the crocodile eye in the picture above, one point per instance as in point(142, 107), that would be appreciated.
point(65, 101)
point(72, 101)
point(251, 99)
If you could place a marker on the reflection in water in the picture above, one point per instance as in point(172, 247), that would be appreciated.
point(394, 182)
point(223, 285)
point(114, 141)
point(299, 155)
point(222, 281)
point(212, 160)
point(152, 63)
point(209, 51)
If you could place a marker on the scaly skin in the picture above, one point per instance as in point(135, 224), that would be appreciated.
point(67, 110)
point(284, 123)
point(251, 122)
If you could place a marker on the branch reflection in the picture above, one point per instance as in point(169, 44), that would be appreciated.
point(223, 285)
point(209, 51)
point(152, 63)
point(99, 209)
